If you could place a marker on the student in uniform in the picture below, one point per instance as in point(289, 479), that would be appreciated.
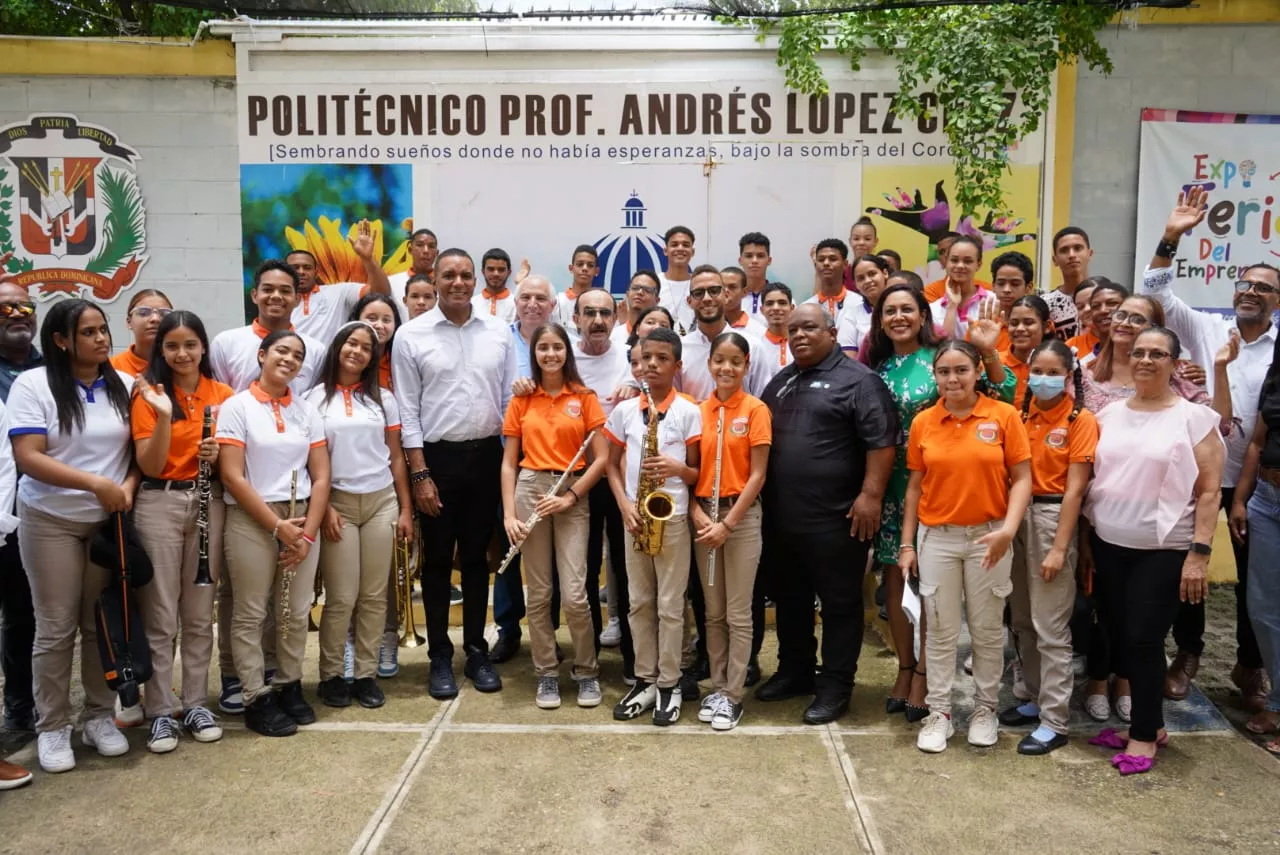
point(1012, 278)
point(369, 507)
point(495, 299)
point(969, 490)
point(379, 311)
point(1026, 325)
point(964, 296)
point(853, 324)
point(649, 320)
point(657, 583)
point(69, 424)
point(424, 247)
point(1085, 344)
point(321, 309)
point(643, 293)
point(1063, 437)
point(12, 775)
point(829, 259)
point(147, 308)
point(777, 304)
point(419, 296)
point(743, 438)
point(167, 422)
point(266, 436)
point(583, 267)
point(544, 432)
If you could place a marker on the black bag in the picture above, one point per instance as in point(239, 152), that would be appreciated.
point(122, 638)
point(104, 550)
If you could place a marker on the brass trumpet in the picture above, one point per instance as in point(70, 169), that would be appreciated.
point(406, 556)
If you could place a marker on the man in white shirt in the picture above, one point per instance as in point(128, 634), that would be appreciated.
point(453, 371)
point(584, 268)
point(323, 309)
point(644, 291)
point(829, 259)
point(496, 299)
point(1203, 335)
point(233, 355)
point(423, 249)
point(706, 300)
point(735, 287)
point(678, 247)
point(754, 258)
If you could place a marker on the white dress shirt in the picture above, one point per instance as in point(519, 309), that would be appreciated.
point(695, 378)
point(453, 383)
point(1203, 334)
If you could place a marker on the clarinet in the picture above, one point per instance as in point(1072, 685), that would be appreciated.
point(204, 492)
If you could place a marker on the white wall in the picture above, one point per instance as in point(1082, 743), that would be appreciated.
point(185, 131)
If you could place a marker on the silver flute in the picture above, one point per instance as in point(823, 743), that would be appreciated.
point(534, 518)
point(715, 498)
point(286, 581)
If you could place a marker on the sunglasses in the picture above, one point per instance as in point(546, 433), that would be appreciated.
point(712, 291)
point(597, 313)
point(24, 309)
point(1262, 289)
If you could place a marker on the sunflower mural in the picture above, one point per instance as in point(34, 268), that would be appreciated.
point(336, 261)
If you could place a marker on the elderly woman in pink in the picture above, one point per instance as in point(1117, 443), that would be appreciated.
point(1153, 507)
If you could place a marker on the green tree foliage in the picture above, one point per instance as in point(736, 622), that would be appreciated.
point(98, 18)
point(970, 56)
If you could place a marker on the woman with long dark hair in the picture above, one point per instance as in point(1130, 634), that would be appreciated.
point(1028, 324)
point(369, 507)
point(543, 433)
point(69, 424)
point(379, 311)
point(147, 308)
point(167, 421)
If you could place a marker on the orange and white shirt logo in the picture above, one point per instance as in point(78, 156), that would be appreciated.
point(988, 432)
point(738, 427)
point(573, 408)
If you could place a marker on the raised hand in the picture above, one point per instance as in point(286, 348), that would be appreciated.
point(1228, 352)
point(523, 271)
point(157, 399)
point(363, 243)
point(1188, 213)
point(984, 331)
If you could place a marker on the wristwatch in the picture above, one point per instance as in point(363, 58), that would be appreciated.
point(1201, 548)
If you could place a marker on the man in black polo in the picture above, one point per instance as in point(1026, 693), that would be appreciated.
point(835, 431)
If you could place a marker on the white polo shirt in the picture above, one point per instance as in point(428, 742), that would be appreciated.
point(453, 382)
point(753, 305)
point(8, 479)
point(501, 305)
point(605, 372)
point(679, 428)
point(854, 324)
point(325, 308)
point(398, 281)
point(777, 355)
point(104, 446)
point(694, 378)
point(277, 435)
point(233, 356)
point(355, 429)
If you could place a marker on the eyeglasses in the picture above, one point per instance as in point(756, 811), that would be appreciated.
point(1142, 354)
point(1262, 289)
point(24, 309)
point(597, 313)
point(145, 312)
point(1120, 316)
point(711, 290)
point(643, 289)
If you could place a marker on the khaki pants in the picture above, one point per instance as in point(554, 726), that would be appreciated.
point(252, 562)
point(166, 523)
point(566, 532)
point(951, 571)
point(355, 579)
point(729, 603)
point(658, 584)
point(226, 606)
point(1041, 615)
point(64, 586)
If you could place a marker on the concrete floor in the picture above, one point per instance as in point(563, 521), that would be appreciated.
point(492, 773)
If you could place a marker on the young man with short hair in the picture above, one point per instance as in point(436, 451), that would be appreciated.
point(754, 258)
point(830, 258)
point(423, 249)
point(419, 296)
point(778, 305)
point(583, 267)
point(322, 309)
point(734, 280)
point(678, 247)
point(1071, 254)
point(496, 300)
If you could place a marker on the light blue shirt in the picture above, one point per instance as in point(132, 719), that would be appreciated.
point(523, 366)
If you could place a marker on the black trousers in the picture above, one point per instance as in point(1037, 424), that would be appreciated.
point(17, 634)
point(1188, 626)
point(606, 518)
point(467, 477)
point(830, 564)
point(1138, 591)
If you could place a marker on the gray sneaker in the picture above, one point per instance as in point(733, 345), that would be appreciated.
point(548, 697)
point(589, 692)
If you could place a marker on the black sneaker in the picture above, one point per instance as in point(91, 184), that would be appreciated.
point(505, 648)
point(667, 710)
point(442, 685)
point(367, 693)
point(294, 705)
point(753, 673)
point(783, 686)
point(635, 702)
point(265, 717)
point(334, 692)
point(689, 690)
point(480, 672)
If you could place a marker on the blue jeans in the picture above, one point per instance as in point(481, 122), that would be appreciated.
point(1264, 580)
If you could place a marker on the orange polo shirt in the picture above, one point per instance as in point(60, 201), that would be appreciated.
point(129, 362)
point(384, 371)
point(184, 435)
point(1083, 344)
point(1057, 442)
point(1020, 370)
point(966, 462)
point(747, 424)
point(741, 323)
point(937, 289)
point(551, 429)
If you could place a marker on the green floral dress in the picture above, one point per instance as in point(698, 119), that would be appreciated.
point(910, 382)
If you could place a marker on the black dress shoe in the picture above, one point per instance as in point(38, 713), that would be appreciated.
point(294, 705)
point(480, 672)
point(1034, 747)
point(1013, 718)
point(826, 709)
point(265, 717)
point(689, 690)
point(334, 692)
point(753, 674)
point(783, 686)
point(508, 646)
point(702, 668)
point(367, 693)
point(442, 685)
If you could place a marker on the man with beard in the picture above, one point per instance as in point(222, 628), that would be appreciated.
point(322, 310)
point(836, 432)
point(707, 298)
point(17, 620)
point(451, 413)
point(496, 299)
point(1203, 334)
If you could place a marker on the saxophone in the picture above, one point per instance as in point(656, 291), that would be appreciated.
point(654, 505)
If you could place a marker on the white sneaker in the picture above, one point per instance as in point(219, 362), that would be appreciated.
point(968, 664)
point(55, 750)
point(101, 733)
point(934, 734)
point(984, 728)
point(129, 716)
point(349, 660)
point(710, 706)
point(1124, 708)
point(611, 635)
point(389, 656)
point(1098, 707)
